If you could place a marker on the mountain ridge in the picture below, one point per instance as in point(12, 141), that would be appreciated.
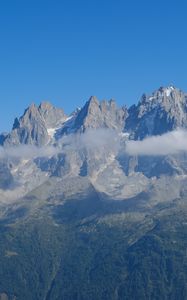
point(163, 111)
point(92, 143)
point(94, 205)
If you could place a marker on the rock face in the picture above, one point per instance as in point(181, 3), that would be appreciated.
point(6, 178)
point(82, 151)
point(52, 116)
point(3, 137)
point(100, 115)
point(29, 129)
point(161, 112)
point(37, 123)
point(32, 127)
point(83, 218)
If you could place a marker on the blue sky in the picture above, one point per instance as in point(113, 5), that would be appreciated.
point(64, 51)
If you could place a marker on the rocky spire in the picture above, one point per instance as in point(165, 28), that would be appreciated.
point(103, 114)
point(28, 129)
point(52, 115)
point(158, 113)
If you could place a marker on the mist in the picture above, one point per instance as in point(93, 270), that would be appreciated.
point(92, 139)
point(169, 143)
point(103, 140)
point(26, 151)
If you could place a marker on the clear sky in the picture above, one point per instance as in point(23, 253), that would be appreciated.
point(64, 51)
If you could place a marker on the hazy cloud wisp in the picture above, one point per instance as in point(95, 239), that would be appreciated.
point(103, 140)
point(92, 139)
point(169, 143)
point(26, 151)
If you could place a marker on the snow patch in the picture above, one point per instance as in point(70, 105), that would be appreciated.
point(68, 118)
point(169, 90)
point(52, 131)
point(124, 134)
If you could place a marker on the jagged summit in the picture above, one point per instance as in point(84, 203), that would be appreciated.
point(162, 93)
point(45, 105)
point(104, 114)
point(162, 111)
point(168, 91)
point(39, 124)
point(98, 156)
point(93, 100)
point(32, 126)
point(82, 217)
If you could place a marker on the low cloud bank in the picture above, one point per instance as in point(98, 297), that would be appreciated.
point(26, 151)
point(169, 143)
point(92, 139)
point(103, 140)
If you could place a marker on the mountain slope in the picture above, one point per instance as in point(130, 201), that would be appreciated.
point(83, 218)
point(163, 111)
point(32, 128)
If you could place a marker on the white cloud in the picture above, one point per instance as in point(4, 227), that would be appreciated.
point(93, 139)
point(168, 143)
point(26, 151)
point(103, 140)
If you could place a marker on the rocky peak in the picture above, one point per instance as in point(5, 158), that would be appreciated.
point(45, 106)
point(92, 106)
point(162, 96)
point(164, 91)
point(34, 125)
point(52, 116)
point(28, 129)
point(32, 108)
point(30, 114)
point(104, 114)
point(93, 101)
point(158, 113)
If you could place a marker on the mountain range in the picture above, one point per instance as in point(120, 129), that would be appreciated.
point(93, 204)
